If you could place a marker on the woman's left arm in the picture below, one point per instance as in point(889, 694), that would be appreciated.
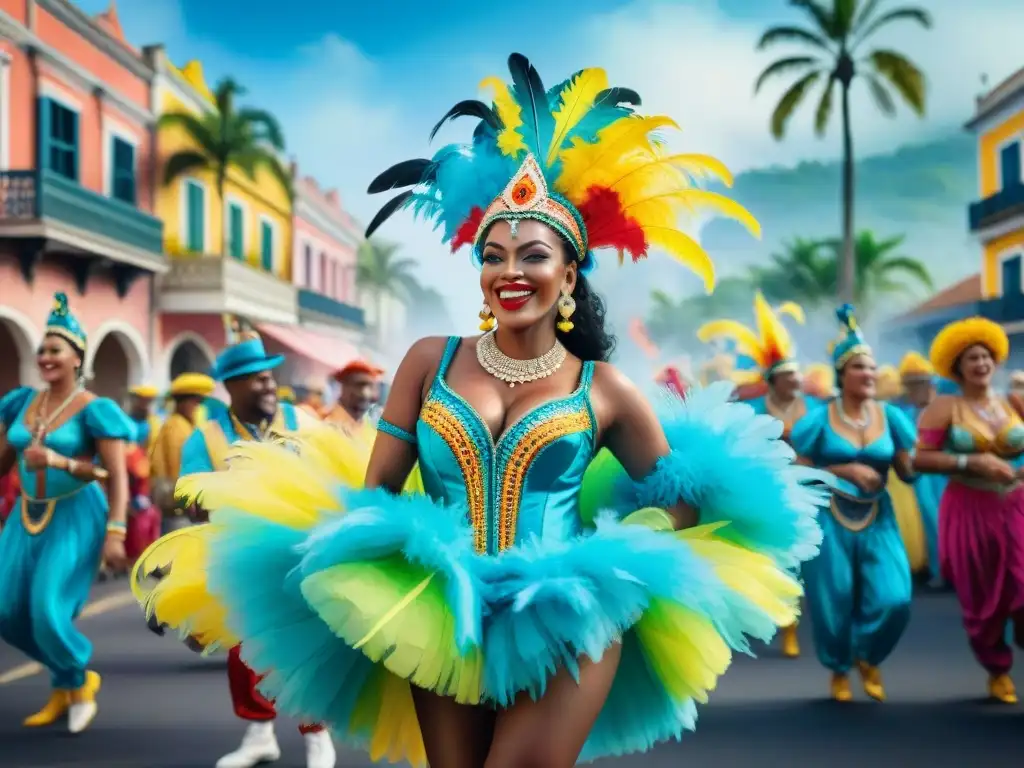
point(904, 437)
point(634, 436)
point(112, 456)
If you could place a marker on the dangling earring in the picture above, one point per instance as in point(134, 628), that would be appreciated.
point(566, 306)
point(487, 321)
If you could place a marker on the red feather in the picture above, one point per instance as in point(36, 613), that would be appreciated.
point(466, 233)
point(608, 226)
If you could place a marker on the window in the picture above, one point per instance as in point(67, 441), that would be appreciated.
point(59, 133)
point(1010, 164)
point(122, 177)
point(1012, 276)
point(236, 231)
point(195, 217)
point(267, 245)
point(308, 265)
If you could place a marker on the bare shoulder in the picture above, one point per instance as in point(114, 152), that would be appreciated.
point(610, 382)
point(616, 398)
point(942, 405)
point(938, 414)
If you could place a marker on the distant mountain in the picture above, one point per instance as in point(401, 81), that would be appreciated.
point(920, 191)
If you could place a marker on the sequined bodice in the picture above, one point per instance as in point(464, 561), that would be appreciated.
point(522, 485)
point(969, 432)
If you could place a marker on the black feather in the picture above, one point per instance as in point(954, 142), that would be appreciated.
point(613, 97)
point(468, 108)
point(387, 211)
point(533, 99)
point(407, 173)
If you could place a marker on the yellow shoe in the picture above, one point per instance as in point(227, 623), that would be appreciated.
point(790, 642)
point(1001, 688)
point(83, 707)
point(55, 709)
point(872, 678)
point(841, 688)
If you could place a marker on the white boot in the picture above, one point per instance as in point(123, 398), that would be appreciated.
point(259, 745)
point(320, 750)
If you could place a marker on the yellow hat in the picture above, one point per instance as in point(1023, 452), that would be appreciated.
point(286, 394)
point(198, 384)
point(145, 391)
point(956, 337)
point(889, 386)
point(915, 367)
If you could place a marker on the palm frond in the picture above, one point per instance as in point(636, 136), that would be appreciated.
point(184, 163)
point(908, 266)
point(918, 15)
point(903, 75)
point(782, 66)
point(843, 13)
point(864, 15)
point(789, 34)
point(197, 128)
point(264, 126)
point(880, 95)
point(251, 159)
point(790, 101)
point(824, 110)
point(823, 17)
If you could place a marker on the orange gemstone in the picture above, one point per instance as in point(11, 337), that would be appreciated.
point(524, 191)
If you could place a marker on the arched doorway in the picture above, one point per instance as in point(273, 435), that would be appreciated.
point(111, 370)
point(16, 354)
point(189, 357)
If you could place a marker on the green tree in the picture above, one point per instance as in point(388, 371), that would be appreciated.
point(673, 322)
point(228, 137)
point(803, 272)
point(834, 56)
point(881, 270)
point(382, 274)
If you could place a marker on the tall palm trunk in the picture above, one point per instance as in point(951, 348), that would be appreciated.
point(848, 268)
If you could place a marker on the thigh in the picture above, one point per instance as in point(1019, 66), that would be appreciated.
point(454, 735)
point(551, 731)
point(883, 564)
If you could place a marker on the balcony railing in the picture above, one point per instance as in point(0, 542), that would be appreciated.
point(325, 306)
point(995, 208)
point(31, 195)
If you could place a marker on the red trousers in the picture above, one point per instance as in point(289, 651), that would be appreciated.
point(143, 530)
point(248, 702)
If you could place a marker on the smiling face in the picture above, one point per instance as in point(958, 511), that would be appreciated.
point(859, 376)
point(786, 384)
point(255, 394)
point(523, 276)
point(975, 366)
point(58, 360)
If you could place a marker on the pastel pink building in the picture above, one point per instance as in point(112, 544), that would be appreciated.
point(76, 189)
point(324, 273)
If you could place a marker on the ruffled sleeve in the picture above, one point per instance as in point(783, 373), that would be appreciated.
point(806, 435)
point(904, 433)
point(105, 420)
point(12, 404)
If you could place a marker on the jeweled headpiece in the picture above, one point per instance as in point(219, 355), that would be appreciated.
point(851, 341)
point(577, 158)
point(769, 348)
point(64, 324)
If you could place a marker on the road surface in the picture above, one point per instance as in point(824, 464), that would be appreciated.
point(164, 707)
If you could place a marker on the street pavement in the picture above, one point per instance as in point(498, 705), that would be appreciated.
point(165, 707)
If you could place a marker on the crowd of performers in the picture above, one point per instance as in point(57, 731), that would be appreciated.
point(524, 561)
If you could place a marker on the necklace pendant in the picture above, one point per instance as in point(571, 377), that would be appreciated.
point(511, 384)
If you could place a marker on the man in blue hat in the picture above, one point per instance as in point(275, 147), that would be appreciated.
point(254, 413)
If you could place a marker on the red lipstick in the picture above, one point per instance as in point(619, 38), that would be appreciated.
point(512, 303)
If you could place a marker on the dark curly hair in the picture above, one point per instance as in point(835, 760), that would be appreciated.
point(589, 339)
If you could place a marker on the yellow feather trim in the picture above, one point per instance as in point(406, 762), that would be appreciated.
point(746, 340)
point(576, 99)
point(953, 340)
point(510, 141)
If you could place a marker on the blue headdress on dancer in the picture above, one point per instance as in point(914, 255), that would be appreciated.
point(851, 340)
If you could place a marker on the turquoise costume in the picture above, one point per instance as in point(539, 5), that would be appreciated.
point(928, 489)
point(51, 546)
point(206, 449)
point(859, 587)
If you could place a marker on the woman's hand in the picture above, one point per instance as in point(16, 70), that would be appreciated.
point(114, 555)
point(990, 467)
point(36, 457)
point(864, 477)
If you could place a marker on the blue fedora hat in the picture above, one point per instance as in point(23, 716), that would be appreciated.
point(244, 359)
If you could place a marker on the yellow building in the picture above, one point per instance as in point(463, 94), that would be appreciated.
point(997, 219)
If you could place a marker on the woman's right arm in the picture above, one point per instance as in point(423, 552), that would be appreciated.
point(394, 457)
point(932, 426)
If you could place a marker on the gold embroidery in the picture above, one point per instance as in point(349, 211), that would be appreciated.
point(35, 527)
point(467, 454)
point(518, 464)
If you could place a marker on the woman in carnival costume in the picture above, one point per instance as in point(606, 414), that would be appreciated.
point(858, 588)
point(918, 377)
point(775, 369)
point(527, 636)
point(819, 382)
point(977, 438)
point(64, 522)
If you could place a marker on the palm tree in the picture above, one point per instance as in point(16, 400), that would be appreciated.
point(801, 272)
point(674, 321)
point(380, 273)
point(834, 42)
point(247, 139)
point(880, 269)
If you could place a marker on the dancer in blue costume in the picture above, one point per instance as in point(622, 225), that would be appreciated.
point(858, 588)
point(919, 386)
point(63, 522)
point(486, 622)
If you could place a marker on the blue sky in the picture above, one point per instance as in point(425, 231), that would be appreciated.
point(357, 85)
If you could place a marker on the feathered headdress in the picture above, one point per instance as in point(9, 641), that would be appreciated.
point(851, 341)
point(915, 367)
point(61, 322)
point(576, 158)
point(769, 347)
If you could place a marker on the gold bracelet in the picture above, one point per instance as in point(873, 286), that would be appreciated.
point(118, 530)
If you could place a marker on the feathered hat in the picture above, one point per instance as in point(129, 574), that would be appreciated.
point(244, 354)
point(769, 347)
point(575, 157)
point(915, 367)
point(851, 341)
point(820, 380)
point(64, 324)
point(953, 340)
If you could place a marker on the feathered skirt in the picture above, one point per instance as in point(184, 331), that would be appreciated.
point(344, 597)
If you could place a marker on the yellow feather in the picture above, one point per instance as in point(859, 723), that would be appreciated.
point(776, 343)
point(681, 246)
point(510, 141)
point(744, 337)
point(792, 309)
point(577, 98)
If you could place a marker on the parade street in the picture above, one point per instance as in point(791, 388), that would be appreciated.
point(164, 707)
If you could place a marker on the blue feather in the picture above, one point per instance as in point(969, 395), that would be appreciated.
point(467, 177)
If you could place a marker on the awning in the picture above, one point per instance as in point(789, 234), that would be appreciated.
point(329, 351)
